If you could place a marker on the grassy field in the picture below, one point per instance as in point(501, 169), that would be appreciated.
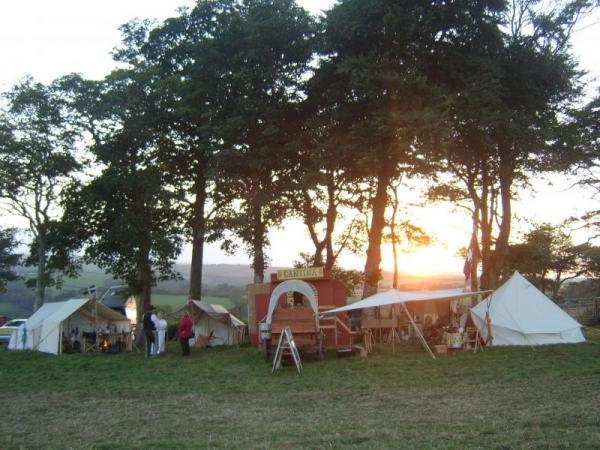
point(544, 397)
point(177, 301)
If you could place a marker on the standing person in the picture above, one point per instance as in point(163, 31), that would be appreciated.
point(162, 331)
point(184, 331)
point(156, 322)
point(149, 322)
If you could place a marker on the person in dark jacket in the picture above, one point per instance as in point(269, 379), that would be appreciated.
point(184, 331)
point(149, 321)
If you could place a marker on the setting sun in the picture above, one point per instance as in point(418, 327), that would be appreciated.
point(432, 260)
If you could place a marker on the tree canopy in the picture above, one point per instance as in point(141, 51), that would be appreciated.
point(37, 158)
point(234, 115)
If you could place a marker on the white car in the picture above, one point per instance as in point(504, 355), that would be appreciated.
point(7, 329)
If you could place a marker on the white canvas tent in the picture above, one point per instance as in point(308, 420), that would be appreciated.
point(519, 314)
point(226, 329)
point(45, 327)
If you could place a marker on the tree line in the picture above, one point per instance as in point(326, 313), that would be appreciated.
point(221, 122)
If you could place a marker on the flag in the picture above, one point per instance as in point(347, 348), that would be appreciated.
point(471, 259)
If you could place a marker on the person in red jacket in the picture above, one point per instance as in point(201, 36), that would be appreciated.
point(184, 331)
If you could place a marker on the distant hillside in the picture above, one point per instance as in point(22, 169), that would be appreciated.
point(234, 274)
point(18, 300)
point(410, 282)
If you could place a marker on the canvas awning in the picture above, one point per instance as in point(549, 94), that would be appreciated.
point(393, 297)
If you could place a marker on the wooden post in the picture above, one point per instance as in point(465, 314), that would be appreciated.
point(418, 331)
point(60, 331)
point(488, 322)
point(96, 317)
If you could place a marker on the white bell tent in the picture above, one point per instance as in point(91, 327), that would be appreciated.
point(45, 328)
point(518, 313)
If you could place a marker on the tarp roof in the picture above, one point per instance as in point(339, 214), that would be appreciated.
point(394, 296)
point(43, 328)
point(218, 312)
point(59, 311)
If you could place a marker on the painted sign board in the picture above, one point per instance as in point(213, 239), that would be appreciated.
point(303, 273)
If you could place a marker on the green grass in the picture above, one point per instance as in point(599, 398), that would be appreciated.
point(544, 397)
point(177, 301)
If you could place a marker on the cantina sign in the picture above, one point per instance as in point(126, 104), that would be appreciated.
point(307, 272)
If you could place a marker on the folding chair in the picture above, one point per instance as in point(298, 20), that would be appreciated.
point(90, 341)
point(472, 339)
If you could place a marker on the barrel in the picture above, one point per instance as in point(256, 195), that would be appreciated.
point(264, 330)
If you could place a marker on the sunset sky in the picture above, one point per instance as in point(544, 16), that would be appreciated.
point(48, 39)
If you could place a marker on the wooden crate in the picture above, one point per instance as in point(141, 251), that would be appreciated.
point(441, 349)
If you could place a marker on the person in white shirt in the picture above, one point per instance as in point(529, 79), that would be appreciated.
point(162, 331)
point(155, 321)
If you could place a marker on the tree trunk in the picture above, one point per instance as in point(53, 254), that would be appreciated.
point(373, 263)
point(486, 232)
point(394, 236)
point(476, 256)
point(330, 223)
point(477, 205)
point(40, 287)
point(395, 253)
point(318, 255)
point(198, 226)
point(501, 247)
point(145, 295)
point(310, 222)
point(258, 243)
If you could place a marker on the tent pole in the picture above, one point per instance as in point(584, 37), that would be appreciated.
point(192, 305)
point(416, 328)
point(60, 338)
point(488, 321)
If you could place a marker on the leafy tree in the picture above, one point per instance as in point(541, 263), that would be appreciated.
point(382, 69)
point(264, 51)
point(585, 157)
point(324, 191)
point(510, 95)
point(403, 235)
point(37, 158)
point(126, 216)
point(323, 199)
point(227, 70)
point(8, 257)
point(186, 53)
point(548, 258)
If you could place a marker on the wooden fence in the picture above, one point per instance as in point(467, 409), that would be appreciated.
point(585, 311)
